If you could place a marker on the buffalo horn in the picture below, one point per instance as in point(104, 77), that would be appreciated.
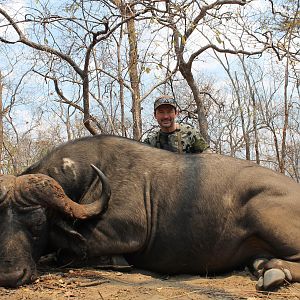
point(7, 184)
point(40, 189)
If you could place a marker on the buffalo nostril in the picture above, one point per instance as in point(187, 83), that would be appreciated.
point(27, 276)
point(17, 278)
point(11, 279)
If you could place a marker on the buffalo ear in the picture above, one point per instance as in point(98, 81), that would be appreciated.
point(64, 236)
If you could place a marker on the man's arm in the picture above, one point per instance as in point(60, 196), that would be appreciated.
point(199, 144)
point(147, 141)
point(151, 138)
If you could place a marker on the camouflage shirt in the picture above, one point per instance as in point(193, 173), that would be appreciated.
point(185, 139)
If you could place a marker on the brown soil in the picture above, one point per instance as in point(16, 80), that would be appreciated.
point(94, 284)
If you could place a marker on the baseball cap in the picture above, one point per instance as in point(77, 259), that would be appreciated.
point(165, 99)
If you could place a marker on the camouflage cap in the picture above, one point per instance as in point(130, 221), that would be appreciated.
point(165, 99)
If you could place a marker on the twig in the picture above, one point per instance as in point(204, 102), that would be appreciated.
point(93, 283)
point(100, 295)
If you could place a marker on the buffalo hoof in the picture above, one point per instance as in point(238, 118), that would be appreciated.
point(257, 267)
point(272, 278)
point(120, 263)
point(114, 262)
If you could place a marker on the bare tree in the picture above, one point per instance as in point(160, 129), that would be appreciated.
point(187, 20)
point(1, 120)
point(286, 23)
point(96, 37)
point(128, 12)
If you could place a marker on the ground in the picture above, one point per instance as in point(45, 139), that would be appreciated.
point(97, 284)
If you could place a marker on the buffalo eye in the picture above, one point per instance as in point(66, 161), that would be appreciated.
point(35, 222)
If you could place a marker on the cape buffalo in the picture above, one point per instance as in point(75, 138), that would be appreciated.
point(162, 211)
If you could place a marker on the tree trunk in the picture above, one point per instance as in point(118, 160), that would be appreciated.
point(276, 144)
point(286, 119)
point(1, 123)
point(121, 84)
point(245, 131)
point(254, 118)
point(128, 12)
point(202, 119)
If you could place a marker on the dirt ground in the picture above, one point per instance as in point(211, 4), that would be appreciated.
point(97, 284)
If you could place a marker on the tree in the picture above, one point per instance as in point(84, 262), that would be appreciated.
point(186, 21)
point(74, 60)
point(1, 120)
point(94, 37)
point(286, 24)
point(128, 13)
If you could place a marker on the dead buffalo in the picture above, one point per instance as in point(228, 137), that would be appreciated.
point(162, 211)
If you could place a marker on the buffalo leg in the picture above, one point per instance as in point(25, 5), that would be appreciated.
point(114, 262)
point(276, 272)
point(277, 222)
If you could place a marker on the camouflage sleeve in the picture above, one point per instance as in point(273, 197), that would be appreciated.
point(151, 139)
point(199, 143)
point(146, 140)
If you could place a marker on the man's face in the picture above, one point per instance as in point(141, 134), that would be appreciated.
point(165, 115)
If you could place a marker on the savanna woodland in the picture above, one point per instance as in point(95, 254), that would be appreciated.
point(76, 68)
point(72, 68)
